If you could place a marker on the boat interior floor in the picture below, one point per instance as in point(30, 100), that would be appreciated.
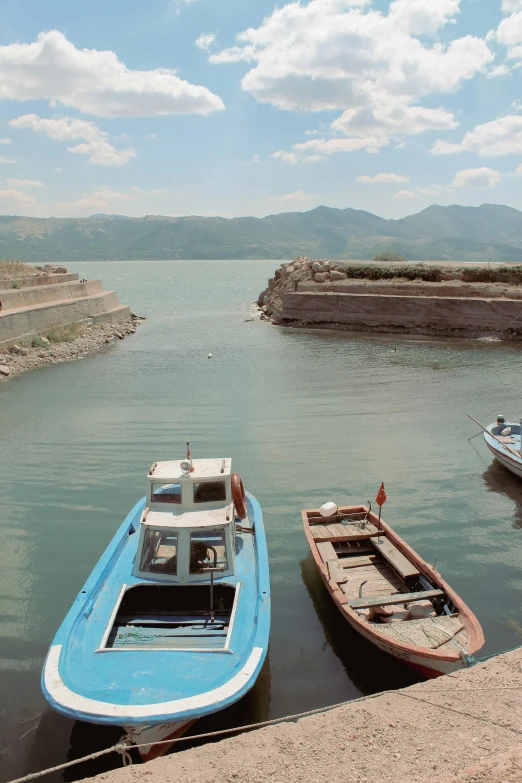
point(371, 567)
point(173, 616)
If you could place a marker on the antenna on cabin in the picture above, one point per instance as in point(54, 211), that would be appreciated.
point(189, 457)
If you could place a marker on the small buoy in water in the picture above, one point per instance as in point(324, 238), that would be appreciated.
point(328, 509)
point(209, 356)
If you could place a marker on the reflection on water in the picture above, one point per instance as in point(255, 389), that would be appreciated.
point(307, 416)
point(375, 670)
point(497, 478)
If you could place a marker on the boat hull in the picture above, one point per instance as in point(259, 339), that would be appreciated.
point(170, 688)
point(152, 740)
point(508, 461)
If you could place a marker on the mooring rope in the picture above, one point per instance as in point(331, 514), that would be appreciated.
point(124, 748)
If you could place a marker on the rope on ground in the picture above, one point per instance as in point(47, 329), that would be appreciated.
point(123, 748)
point(463, 712)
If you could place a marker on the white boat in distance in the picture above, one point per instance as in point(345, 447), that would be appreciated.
point(503, 440)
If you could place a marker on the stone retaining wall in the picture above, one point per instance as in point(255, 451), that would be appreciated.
point(473, 314)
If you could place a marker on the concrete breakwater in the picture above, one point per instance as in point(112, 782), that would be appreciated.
point(53, 317)
point(446, 301)
point(464, 726)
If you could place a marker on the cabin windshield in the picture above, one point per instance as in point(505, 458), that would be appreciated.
point(210, 491)
point(208, 549)
point(160, 552)
point(166, 493)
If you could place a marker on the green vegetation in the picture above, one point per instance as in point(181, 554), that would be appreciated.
point(388, 256)
point(511, 275)
point(431, 274)
point(37, 342)
point(64, 334)
point(472, 234)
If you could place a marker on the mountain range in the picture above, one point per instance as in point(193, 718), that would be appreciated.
point(490, 232)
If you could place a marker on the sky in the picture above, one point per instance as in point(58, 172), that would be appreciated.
point(241, 107)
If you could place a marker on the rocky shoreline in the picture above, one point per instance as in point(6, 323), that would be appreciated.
point(33, 351)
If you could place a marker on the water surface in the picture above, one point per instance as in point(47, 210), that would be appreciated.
point(306, 417)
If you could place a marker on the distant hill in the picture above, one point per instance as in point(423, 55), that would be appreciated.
point(487, 233)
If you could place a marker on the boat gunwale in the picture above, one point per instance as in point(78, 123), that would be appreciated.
point(472, 625)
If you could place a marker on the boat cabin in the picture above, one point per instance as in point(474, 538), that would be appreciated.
point(187, 529)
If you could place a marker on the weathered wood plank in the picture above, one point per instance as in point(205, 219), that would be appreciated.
point(396, 558)
point(335, 572)
point(353, 547)
point(359, 561)
point(386, 600)
point(326, 551)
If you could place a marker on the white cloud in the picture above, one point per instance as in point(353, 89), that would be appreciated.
point(509, 6)
point(517, 172)
point(498, 137)
point(101, 153)
point(477, 178)
point(3, 159)
point(99, 150)
point(405, 194)
point(433, 190)
point(5, 141)
point(58, 169)
point(286, 157)
point(384, 179)
point(372, 66)
point(152, 136)
point(95, 82)
point(205, 40)
point(24, 183)
point(297, 196)
point(100, 200)
point(12, 199)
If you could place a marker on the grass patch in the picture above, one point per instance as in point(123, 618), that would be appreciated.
point(37, 342)
point(64, 334)
point(512, 274)
point(405, 271)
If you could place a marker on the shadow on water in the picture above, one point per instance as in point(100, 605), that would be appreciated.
point(368, 668)
point(498, 479)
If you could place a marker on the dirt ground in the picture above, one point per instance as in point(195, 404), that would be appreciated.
point(461, 727)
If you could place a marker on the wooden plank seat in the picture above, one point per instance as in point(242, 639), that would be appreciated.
point(388, 600)
point(359, 561)
point(395, 558)
point(326, 551)
point(344, 532)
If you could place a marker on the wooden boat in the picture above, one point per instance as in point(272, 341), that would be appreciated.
point(173, 623)
point(506, 448)
point(389, 594)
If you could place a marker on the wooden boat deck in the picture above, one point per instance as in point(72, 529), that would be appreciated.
point(365, 565)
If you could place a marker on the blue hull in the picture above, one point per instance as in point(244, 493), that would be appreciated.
point(86, 680)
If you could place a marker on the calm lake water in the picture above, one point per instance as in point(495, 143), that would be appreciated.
point(306, 417)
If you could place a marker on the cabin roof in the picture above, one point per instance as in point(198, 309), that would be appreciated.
point(203, 468)
point(192, 518)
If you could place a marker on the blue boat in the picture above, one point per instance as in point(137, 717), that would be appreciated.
point(173, 623)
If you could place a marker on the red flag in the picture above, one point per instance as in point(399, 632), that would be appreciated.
point(381, 496)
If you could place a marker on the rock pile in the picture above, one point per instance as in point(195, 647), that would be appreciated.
point(289, 275)
point(39, 350)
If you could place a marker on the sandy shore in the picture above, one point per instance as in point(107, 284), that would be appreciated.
point(465, 726)
point(25, 356)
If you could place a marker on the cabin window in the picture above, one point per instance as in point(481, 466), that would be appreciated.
point(160, 552)
point(210, 491)
point(166, 493)
point(208, 549)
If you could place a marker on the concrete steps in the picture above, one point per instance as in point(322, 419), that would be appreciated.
point(35, 308)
